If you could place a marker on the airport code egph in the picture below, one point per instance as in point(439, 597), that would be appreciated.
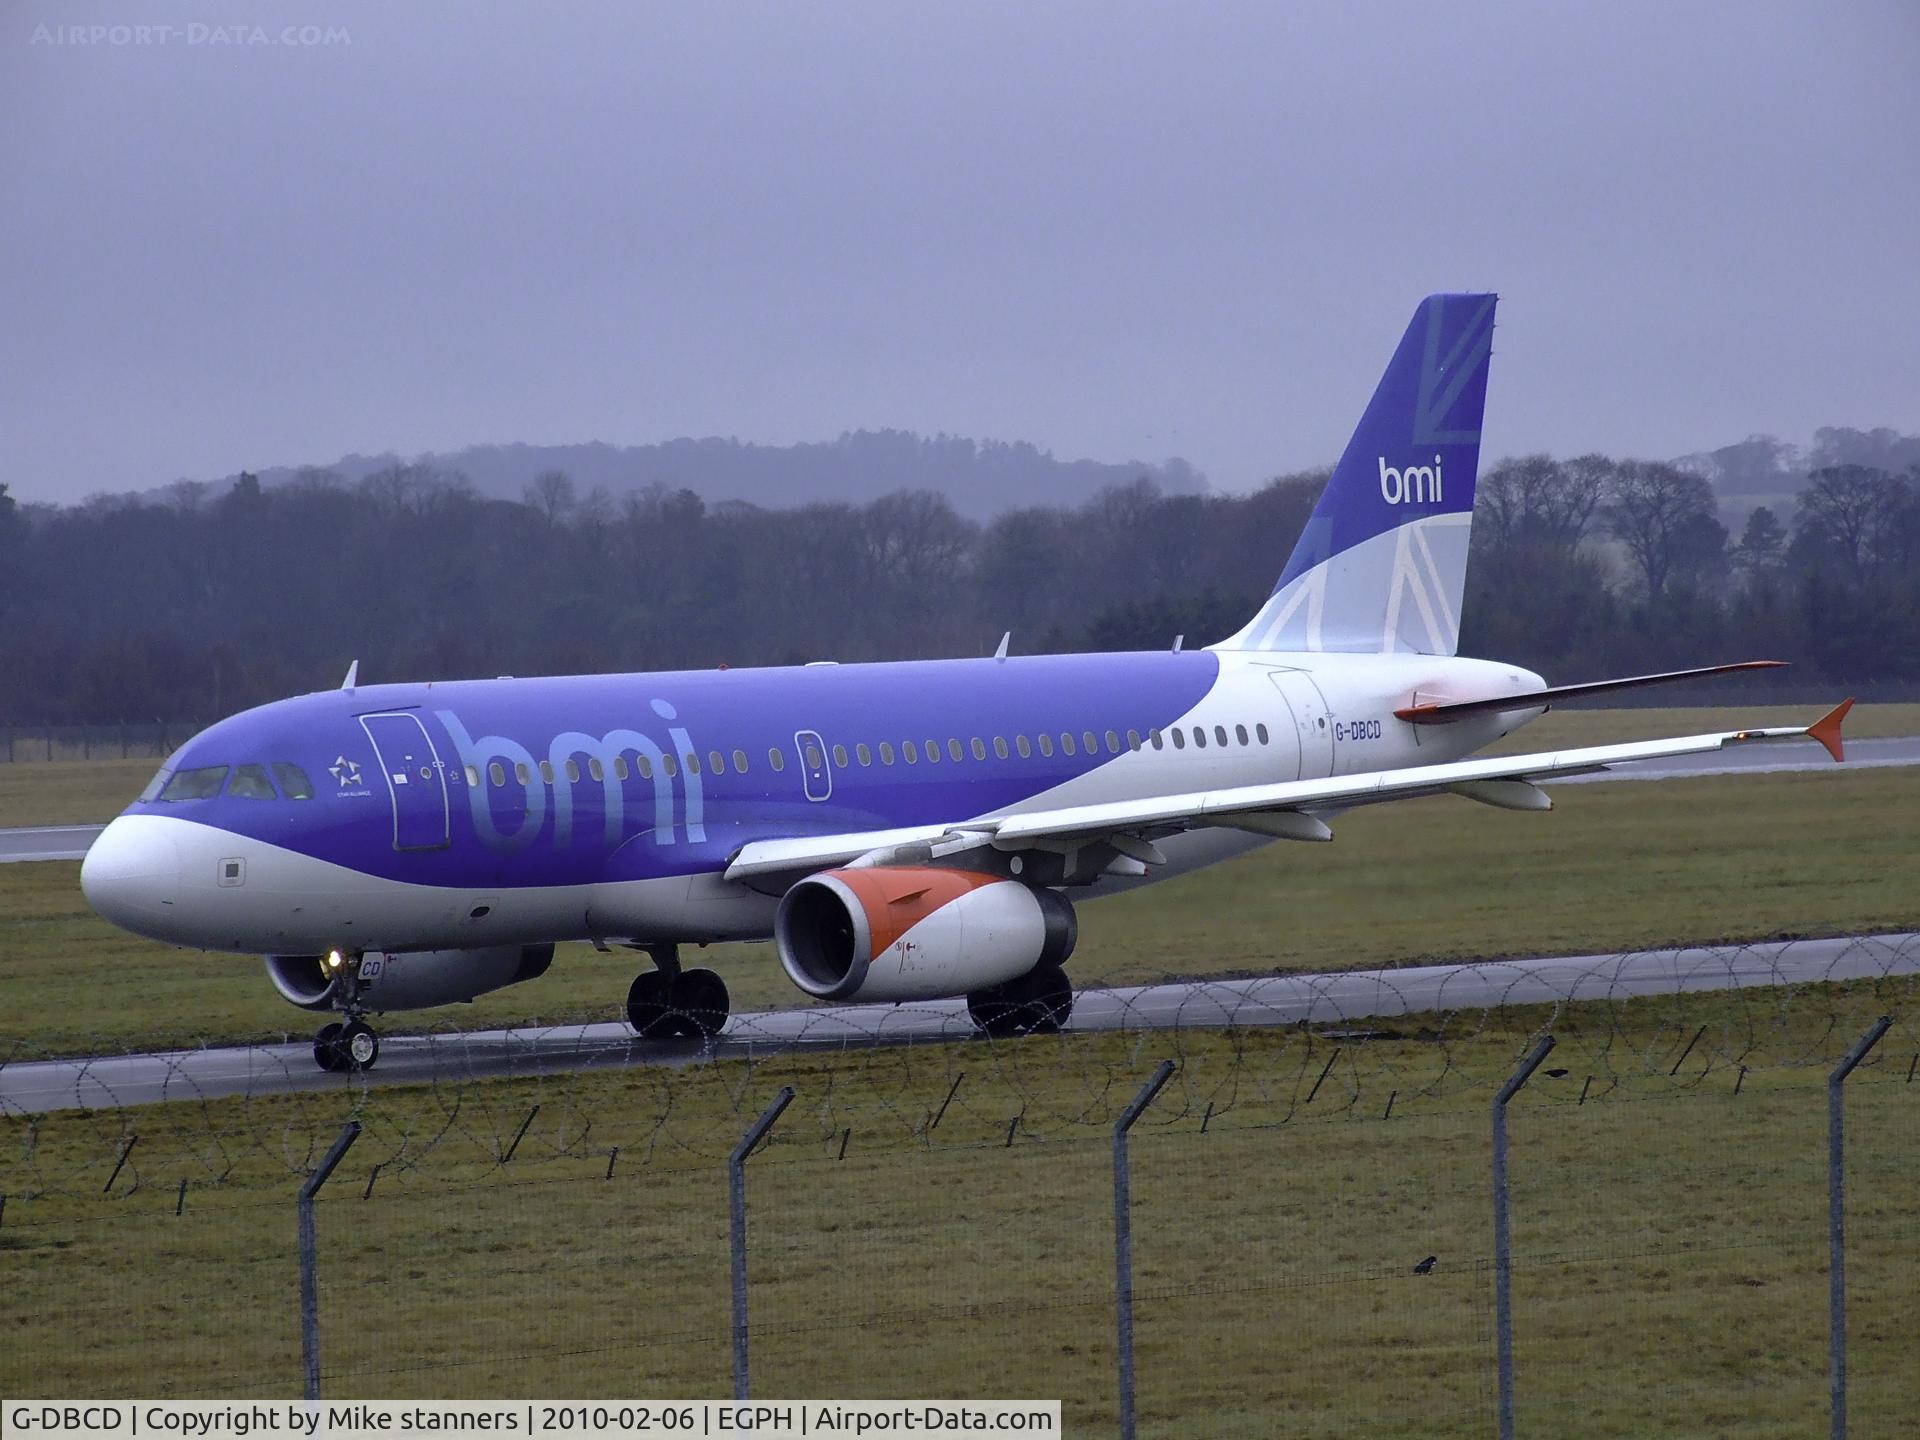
point(323, 1421)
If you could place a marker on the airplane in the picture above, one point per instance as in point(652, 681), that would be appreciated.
point(900, 831)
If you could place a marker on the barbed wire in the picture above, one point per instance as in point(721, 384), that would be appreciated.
point(458, 1107)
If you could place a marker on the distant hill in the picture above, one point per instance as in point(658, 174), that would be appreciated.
point(1763, 466)
point(980, 478)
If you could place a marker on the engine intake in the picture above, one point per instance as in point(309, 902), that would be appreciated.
point(917, 933)
point(413, 980)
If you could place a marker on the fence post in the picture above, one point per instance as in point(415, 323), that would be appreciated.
point(1123, 1239)
point(1837, 1224)
point(309, 1279)
point(737, 1195)
point(1502, 1246)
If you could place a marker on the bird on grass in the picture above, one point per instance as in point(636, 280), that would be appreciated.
point(1425, 1267)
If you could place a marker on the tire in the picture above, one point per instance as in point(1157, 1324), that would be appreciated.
point(701, 1004)
point(647, 1007)
point(1038, 1003)
point(1049, 1001)
point(328, 1053)
point(359, 1047)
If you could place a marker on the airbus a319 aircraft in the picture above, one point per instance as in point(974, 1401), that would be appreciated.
point(900, 831)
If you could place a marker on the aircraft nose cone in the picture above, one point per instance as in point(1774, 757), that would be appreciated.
point(132, 873)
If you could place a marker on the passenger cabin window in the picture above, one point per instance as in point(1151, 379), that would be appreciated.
point(1066, 743)
point(740, 761)
point(473, 776)
point(814, 757)
point(497, 773)
point(1020, 744)
point(250, 782)
point(521, 773)
point(908, 750)
point(866, 755)
point(1199, 737)
point(953, 749)
point(1179, 738)
point(1091, 741)
point(716, 762)
point(1159, 740)
point(669, 767)
point(293, 780)
point(840, 756)
point(200, 784)
point(776, 759)
point(693, 763)
point(1046, 744)
point(1220, 735)
point(619, 767)
point(1133, 739)
point(596, 770)
point(886, 752)
point(546, 771)
point(1240, 733)
point(979, 749)
point(1000, 746)
point(1261, 732)
point(643, 767)
point(573, 771)
point(1113, 743)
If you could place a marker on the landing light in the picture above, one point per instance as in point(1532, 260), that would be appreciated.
point(335, 959)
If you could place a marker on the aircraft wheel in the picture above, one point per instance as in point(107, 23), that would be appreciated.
point(647, 1007)
point(1037, 1003)
point(360, 1046)
point(328, 1053)
point(701, 1003)
point(1049, 1001)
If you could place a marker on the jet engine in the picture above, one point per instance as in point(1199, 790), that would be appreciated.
point(917, 933)
point(414, 980)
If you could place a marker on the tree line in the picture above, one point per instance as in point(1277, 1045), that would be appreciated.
point(191, 606)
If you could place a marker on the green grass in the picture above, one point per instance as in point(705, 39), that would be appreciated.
point(1670, 1234)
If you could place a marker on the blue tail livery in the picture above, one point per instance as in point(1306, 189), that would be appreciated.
point(1382, 563)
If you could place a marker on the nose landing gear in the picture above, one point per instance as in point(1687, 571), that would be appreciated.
point(349, 1044)
point(668, 1001)
point(352, 1046)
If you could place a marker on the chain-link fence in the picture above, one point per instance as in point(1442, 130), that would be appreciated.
point(1310, 1211)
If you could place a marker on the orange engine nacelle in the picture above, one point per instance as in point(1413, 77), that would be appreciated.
point(917, 934)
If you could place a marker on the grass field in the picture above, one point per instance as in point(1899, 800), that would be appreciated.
point(1670, 1233)
point(1732, 858)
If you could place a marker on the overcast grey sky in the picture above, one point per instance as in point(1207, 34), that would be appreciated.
point(1116, 230)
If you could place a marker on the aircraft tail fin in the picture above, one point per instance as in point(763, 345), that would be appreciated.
point(1382, 563)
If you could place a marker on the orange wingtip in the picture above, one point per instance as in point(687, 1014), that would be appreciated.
point(1827, 728)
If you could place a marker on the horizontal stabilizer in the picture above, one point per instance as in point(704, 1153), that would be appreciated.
point(1441, 712)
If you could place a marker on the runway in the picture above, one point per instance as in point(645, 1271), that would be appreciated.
point(119, 1081)
point(70, 842)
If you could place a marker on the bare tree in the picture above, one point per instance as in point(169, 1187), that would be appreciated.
point(551, 496)
point(1656, 510)
point(1850, 510)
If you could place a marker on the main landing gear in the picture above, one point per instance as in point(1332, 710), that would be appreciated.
point(669, 1001)
point(1038, 1003)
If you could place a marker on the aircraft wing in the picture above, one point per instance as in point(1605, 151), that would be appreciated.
point(1505, 781)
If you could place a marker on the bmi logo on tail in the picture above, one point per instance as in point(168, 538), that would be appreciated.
point(1410, 485)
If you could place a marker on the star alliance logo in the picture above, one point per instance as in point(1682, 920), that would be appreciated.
point(346, 771)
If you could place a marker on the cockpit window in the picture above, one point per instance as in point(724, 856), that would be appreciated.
point(293, 781)
point(201, 784)
point(156, 785)
point(250, 782)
